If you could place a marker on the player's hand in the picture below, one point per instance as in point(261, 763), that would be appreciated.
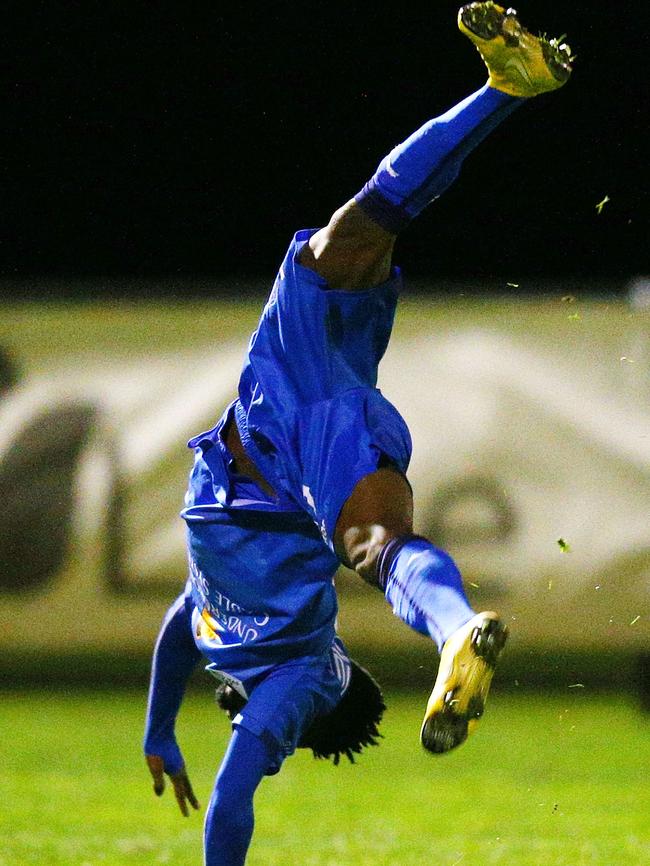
point(180, 781)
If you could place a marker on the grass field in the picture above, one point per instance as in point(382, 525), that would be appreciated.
point(548, 781)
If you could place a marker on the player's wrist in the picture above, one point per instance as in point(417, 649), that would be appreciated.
point(168, 750)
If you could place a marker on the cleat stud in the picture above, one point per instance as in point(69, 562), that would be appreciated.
point(443, 732)
point(488, 640)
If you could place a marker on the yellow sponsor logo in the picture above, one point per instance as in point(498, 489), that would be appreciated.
point(209, 627)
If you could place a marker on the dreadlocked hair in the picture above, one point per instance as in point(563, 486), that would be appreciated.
point(353, 723)
point(350, 727)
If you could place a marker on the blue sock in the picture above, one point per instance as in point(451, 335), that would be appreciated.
point(229, 819)
point(420, 169)
point(424, 587)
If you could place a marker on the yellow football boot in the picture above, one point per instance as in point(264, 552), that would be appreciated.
point(518, 62)
point(466, 667)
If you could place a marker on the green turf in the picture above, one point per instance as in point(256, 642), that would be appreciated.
point(547, 781)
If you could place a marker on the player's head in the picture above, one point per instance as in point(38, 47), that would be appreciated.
point(351, 726)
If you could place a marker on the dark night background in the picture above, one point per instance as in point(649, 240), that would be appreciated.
point(185, 141)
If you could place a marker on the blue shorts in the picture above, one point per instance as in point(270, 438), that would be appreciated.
point(309, 412)
point(285, 701)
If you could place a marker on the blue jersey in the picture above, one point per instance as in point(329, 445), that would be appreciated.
point(311, 418)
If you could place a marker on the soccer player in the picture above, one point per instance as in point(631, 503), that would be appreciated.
point(306, 469)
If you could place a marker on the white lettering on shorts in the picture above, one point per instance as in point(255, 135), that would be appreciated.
point(222, 614)
point(309, 499)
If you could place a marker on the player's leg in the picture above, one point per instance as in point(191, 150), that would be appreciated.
point(354, 250)
point(268, 727)
point(229, 819)
point(374, 531)
point(424, 585)
point(374, 536)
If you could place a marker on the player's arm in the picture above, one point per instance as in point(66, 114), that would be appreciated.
point(175, 657)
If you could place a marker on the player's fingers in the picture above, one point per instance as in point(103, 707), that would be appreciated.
point(183, 791)
point(156, 768)
point(191, 796)
point(180, 794)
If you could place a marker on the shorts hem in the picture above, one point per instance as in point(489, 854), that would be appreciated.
point(276, 750)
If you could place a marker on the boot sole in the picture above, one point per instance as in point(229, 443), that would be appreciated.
point(487, 21)
point(467, 678)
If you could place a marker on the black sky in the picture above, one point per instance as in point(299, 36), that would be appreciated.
point(166, 140)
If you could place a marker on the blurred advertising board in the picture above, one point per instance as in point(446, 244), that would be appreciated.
point(531, 429)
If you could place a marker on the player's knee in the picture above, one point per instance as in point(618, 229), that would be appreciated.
point(363, 547)
point(351, 252)
point(379, 509)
